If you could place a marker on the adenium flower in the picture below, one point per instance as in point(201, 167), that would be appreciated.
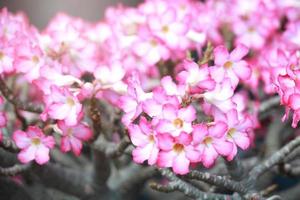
point(34, 145)
point(230, 64)
point(61, 104)
point(72, 136)
point(177, 152)
point(237, 131)
point(211, 142)
point(176, 120)
point(145, 140)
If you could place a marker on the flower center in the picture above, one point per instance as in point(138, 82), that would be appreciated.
point(178, 123)
point(70, 101)
point(231, 132)
point(207, 140)
point(36, 141)
point(1, 55)
point(165, 29)
point(151, 139)
point(228, 64)
point(35, 59)
point(70, 132)
point(153, 43)
point(178, 148)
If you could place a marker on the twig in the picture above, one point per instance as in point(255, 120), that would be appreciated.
point(171, 187)
point(207, 55)
point(8, 94)
point(67, 180)
point(190, 190)
point(216, 180)
point(269, 103)
point(9, 145)
point(111, 149)
point(271, 161)
point(14, 170)
point(235, 168)
point(95, 116)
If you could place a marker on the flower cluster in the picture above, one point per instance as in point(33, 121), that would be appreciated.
point(183, 101)
point(166, 126)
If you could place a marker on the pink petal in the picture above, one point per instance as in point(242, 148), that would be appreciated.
point(21, 139)
point(169, 112)
point(42, 154)
point(233, 153)
point(218, 130)
point(239, 52)
point(221, 55)
point(82, 132)
point(140, 154)
point(232, 118)
point(181, 164)
point(217, 73)
point(153, 156)
point(209, 156)
point(138, 138)
point(192, 154)
point(242, 70)
point(27, 154)
point(65, 144)
point(76, 145)
point(165, 126)
point(187, 114)
point(165, 159)
point(169, 86)
point(165, 142)
point(200, 131)
point(294, 101)
point(59, 111)
point(223, 147)
point(184, 138)
point(48, 141)
point(242, 140)
point(152, 108)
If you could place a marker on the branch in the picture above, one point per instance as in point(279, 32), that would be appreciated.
point(207, 56)
point(9, 145)
point(190, 190)
point(111, 149)
point(269, 103)
point(235, 168)
point(216, 180)
point(8, 94)
point(67, 180)
point(271, 161)
point(14, 170)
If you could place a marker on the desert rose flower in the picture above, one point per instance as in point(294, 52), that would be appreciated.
point(34, 145)
point(73, 136)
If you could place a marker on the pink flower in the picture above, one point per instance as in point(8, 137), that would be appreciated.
point(110, 77)
point(132, 103)
point(176, 120)
point(167, 28)
point(177, 152)
point(211, 141)
point(238, 130)
point(7, 56)
point(61, 104)
point(230, 65)
point(145, 140)
point(72, 136)
point(29, 60)
point(150, 49)
point(197, 78)
point(34, 145)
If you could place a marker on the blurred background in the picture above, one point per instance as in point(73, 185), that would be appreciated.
point(41, 11)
